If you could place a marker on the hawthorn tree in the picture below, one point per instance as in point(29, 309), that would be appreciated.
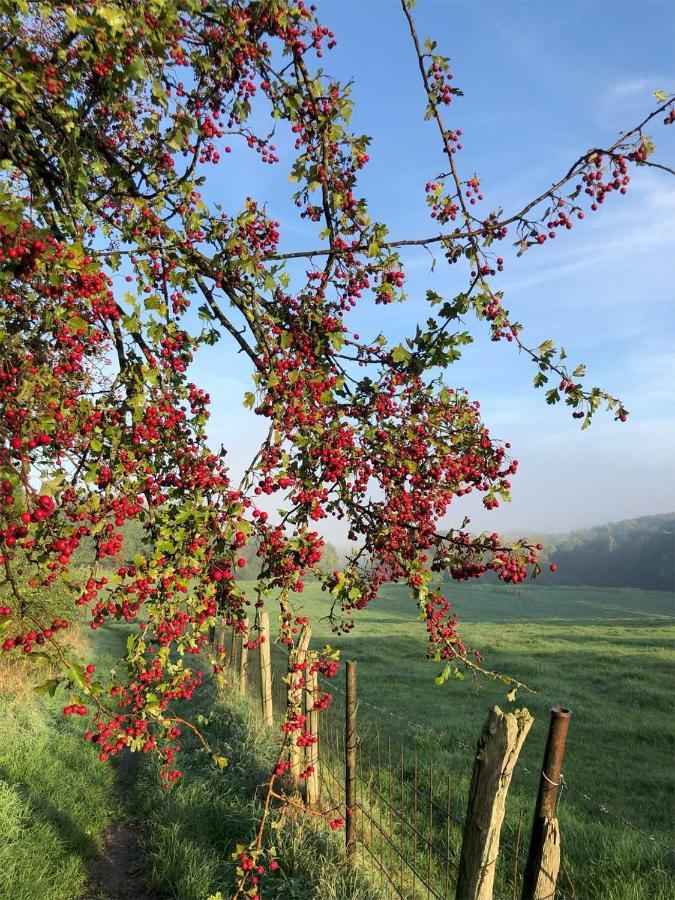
point(115, 271)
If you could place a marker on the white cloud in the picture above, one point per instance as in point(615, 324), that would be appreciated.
point(629, 94)
point(631, 87)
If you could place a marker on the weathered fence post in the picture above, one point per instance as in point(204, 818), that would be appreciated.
point(243, 661)
point(543, 858)
point(498, 749)
point(312, 757)
point(219, 636)
point(265, 670)
point(350, 759)
point(294, 697)
point(233, 650)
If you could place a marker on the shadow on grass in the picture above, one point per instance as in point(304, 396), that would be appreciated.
point(41, 807)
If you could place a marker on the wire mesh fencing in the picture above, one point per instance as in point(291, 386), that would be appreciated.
point(407, 815)
point(404, 826)
point(406, 831)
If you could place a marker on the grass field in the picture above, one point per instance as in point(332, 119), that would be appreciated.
point(607, 654)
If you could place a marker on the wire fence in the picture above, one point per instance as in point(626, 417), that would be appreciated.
point(408, 833)
point(408, 815)
point(564, 782)
point(405, 827)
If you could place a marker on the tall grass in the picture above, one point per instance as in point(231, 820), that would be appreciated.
point(192, 829)
point(57, 800)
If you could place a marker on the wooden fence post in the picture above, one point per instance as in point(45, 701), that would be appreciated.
point(265, 670)
point(233, 650)
point(243, 661)
point(312, 755)
point(294, 697)
point(219, 636)
point(498, 749)
point(350, 759)
point(543, 858)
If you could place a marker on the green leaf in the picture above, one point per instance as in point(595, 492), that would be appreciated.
point(76, 675)
point(47, 687)
point(136, 69)
point(445, 674)
point(337, 339)
point(400, 354)
point(164, 546)
point(114, 17)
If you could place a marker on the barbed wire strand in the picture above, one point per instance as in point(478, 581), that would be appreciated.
point(608, 812)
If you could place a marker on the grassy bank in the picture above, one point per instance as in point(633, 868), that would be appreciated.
point(192, 830)
point(58, 803)
point(56, 798)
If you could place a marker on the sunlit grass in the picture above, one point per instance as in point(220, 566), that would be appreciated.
point(604, 653)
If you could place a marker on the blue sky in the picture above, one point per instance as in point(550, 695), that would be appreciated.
point(542, 83)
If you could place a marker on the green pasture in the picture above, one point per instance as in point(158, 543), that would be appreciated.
point(606, 654)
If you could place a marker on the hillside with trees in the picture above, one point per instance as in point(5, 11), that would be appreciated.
point(636, 553)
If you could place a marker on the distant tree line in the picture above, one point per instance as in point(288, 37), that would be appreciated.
point(636, 553)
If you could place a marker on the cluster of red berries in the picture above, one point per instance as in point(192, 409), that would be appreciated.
point(443, 208)
point(473, 190)
point(26, 641)
point(597, 186)
point(440, 83)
